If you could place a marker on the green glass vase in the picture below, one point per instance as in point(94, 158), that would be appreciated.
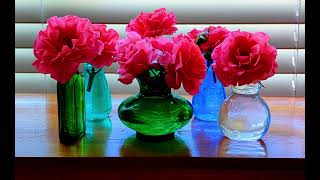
point(97, 93)
point(155, 113)
point(71, 109)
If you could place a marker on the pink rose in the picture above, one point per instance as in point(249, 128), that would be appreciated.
point(157, 23)
point(180, 58)
point(194, 33)
point(163, 48)
point(135, 55)
point(188, 66)
point(244, 58)
point(109, 38)
point(180, 37)
point(63, 45)
point(163, 44)
point(214, 37)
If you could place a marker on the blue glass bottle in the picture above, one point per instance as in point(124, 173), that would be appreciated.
point(97, 94)
point(206, 104)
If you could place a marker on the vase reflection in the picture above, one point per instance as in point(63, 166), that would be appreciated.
point(242, 149)
point(139, 148)
point(206, 135)
point(94, 143)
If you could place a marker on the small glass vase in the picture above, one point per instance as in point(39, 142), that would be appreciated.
point(244, 115)
point(206, 104)
point(97, 94)
point(71, 109)
point(155, 113)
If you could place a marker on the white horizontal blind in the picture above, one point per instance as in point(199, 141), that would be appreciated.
point(275, 17)
point(187, 11)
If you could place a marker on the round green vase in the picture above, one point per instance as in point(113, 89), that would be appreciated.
point(155, 113)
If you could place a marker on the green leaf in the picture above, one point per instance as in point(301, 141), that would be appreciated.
point(200, 39)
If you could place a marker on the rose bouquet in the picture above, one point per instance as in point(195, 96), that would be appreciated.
point(206, 103)
point(64, 44)
point(242, 60)
point(158, 63)
point(59, 49)
point(179, 60)
point(98, 97)
point(69, 41)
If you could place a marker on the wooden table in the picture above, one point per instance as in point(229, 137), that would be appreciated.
point(199, 142)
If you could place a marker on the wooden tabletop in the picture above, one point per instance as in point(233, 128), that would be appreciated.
point(36, 134)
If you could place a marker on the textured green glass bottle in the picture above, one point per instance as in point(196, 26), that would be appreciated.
point(71, 109)
point(155, 113)
point(98, 98)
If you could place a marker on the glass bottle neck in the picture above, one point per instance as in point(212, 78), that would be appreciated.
point(152, 83)
point(209, 63)
point(91, 70)
point(248, 89)
point(72, 79)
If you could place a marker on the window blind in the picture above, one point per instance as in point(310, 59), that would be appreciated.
point(283, 20)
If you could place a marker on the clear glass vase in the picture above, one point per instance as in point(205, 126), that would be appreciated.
point(206, 104)
point(98, 98)
point(71, 109)
point(155, 113)
point(244, 115)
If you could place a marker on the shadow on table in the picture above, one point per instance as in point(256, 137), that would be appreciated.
point(133, 147)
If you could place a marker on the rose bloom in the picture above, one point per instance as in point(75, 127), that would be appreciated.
point(157, 23)
point(163, 49)
point(109, 38)
point(63, 45)
point(194, 33)
point(215, 36)
point(187, 66)
point(244, 58)
point(181, 59)
point(135, 56)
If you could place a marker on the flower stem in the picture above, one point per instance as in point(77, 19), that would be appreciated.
point(90, 82)
point(155, 75)
point(91, 76)
point(214, 76)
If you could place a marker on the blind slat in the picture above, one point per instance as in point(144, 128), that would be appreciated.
point(28, 11)
point(200, 11)
point(278, 85)
point(282, 35)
